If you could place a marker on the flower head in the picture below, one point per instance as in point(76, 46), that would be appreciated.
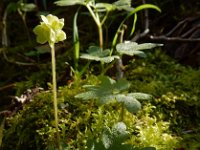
point(50, 30)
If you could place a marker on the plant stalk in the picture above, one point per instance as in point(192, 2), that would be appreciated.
point(53, 62)
point(100, 36)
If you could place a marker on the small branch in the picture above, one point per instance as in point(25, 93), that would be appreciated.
point(7, 86)
point(180, 24)
point(174, 39)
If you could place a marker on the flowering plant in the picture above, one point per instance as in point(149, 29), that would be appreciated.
point(50, 30)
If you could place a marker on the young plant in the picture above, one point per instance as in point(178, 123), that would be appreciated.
point(109, 90)
point(50, 30)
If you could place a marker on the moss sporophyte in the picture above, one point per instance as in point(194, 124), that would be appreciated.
point(50, 30)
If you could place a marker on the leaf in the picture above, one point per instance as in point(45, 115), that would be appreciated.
point(134, 24)
point(132, 12)
point(28, 7)
point(147, 46)
point(123, 5)
point(119, 131)
point(95, 53)
point(107, 139)
point(102, 7)
point(133, 48)
point(122, 84)
point(86, 95)
point(69, 2)
point(76, 39)
point(140, 96)
point(131, 104)
point(104, 92)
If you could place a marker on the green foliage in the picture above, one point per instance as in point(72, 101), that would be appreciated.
point(96, 53)
point(80, 121)
point(22, 130)
point(170, 84)
point(109, 90)
point(150, 133)
point(83, 122)
point(133, 48)
point(112, 139)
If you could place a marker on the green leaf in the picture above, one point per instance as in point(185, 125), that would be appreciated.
point(104, 92)
point(131, 104)
point(140, 96)
point(139, 8)
point(28, 7)
point(122, 84)
point(70, 2)
point(102, 7)
point(76, 39)
point(114, 137)
point(119, 131)
point(123, 5)
point(133, 48)
point(134, 24)
point(97, 54)
point(86, 95)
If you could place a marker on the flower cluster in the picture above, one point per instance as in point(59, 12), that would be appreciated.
point(50, 30)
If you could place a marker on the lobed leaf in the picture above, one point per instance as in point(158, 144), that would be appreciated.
point(131, 104)
point(140, 96)
point(133, 48)
point(95, 53)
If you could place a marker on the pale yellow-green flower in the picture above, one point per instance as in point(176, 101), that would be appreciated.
point(50, 30)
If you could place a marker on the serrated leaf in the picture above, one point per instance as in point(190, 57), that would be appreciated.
point(122, 84)
point(95, 53)
point(69, 2)
point(133, 48)
point(104, 92)
point(147, 46)
point(140, 96)
point(86, 95)
point(130, 103)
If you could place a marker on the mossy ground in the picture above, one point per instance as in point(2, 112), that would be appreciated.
point(170, 120)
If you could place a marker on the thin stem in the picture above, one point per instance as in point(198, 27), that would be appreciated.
point(53, 62)
point(100, 36)
point(93, 15)
point(99, 25)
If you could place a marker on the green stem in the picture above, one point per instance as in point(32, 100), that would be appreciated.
point(99, 25)
point(53, 62)
point(100, 37)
